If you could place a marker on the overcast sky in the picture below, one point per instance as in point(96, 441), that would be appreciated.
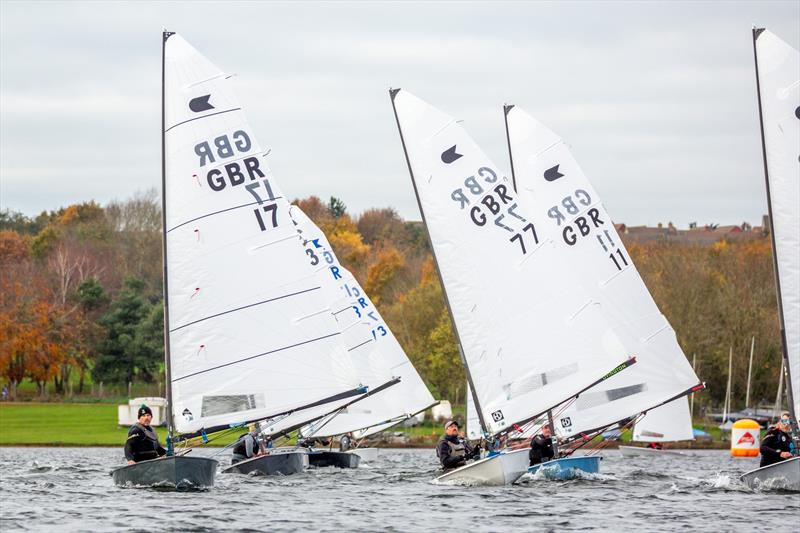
point(657, 99)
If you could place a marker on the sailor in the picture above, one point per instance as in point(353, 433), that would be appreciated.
point(142, 443)
point(776, 444)
point(346, 442)
point(542, 447)
point(247, 447)
point(454, 452)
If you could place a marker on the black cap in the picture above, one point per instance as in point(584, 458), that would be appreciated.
point(144, 410)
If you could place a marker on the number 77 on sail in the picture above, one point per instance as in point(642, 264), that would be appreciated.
point(530, 336)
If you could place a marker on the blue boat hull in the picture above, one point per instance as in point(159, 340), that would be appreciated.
point(568, 467)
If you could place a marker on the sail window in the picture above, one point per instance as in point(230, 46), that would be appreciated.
point(220, 405)
point(593, 399)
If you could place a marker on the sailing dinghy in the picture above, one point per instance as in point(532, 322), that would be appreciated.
point(669, 423)
point(374, 351)
point(248, 334)
point(778, 86)
point(530, 338)
point(552, 186)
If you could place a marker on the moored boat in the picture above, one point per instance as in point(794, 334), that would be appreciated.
point(646, 451)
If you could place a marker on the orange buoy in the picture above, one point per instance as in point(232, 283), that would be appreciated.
point(745, 438)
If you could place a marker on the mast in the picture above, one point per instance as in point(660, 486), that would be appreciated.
point(749, 373)
point(726, 410)
point(506, 109)
point(167, 365)
point(484, 426)
point(784, 344)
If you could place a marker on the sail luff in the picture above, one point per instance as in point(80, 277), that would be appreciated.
point(165, 281)
point(484, 426)
point(757, 32)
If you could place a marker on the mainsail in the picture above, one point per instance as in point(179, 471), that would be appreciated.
point(778, 83)
point(248, 336)
point(669, 423)
point(373, 348)
point(550, 184)
point(530, 337)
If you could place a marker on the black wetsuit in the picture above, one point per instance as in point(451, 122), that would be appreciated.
point(245, 448)
point(142, 444)
point(454, 452)
point(541, 450)
point(775, 442)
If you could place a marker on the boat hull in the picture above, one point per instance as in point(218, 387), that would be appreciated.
point(501, 469)
point(368, 455)
point(176, 473)
point(783, 475)
point(638, 451)
point(273, 464)
point(322, 459)
point(568, 467)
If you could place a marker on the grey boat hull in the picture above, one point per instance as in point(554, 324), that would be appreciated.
point(274, 464)
point(784, 475)
point(176, 473)
point(338, 459)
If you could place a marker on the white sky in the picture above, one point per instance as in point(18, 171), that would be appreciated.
point(657, 99)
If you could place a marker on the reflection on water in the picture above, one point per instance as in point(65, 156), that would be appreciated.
point(70, 489)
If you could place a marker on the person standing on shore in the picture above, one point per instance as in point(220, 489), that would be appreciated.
point(142, 443)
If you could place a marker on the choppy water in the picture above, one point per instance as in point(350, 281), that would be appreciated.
point(69, 489)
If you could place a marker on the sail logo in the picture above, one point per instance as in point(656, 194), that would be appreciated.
point(552, 174)
point(566, 422)
point(450, 155)
point(200, 104)
point(747, 438)
point(187, 415)
point(497, 416)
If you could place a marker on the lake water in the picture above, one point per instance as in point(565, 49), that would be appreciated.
point(69, 489)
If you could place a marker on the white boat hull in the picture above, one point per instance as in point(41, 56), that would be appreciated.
point(783, 475)
point(502, 469)
point(639, 451)
point(368, 455)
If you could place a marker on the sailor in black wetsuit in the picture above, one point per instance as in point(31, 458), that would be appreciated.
point(452, 451)
point(776, 446)
point(247, 447)
point(142, 443)
point(541, 447)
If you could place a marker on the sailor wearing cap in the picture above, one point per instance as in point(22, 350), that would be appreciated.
point(454, 452)
point(142, 443)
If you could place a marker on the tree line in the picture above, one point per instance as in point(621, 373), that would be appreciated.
point(81, 297)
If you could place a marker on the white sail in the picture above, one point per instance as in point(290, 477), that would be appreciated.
point(669, 423)
point(551, 184)
point(530, 337)
point(779, 90)
point(376, 355)
point(248, 335)
point(473, 430)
